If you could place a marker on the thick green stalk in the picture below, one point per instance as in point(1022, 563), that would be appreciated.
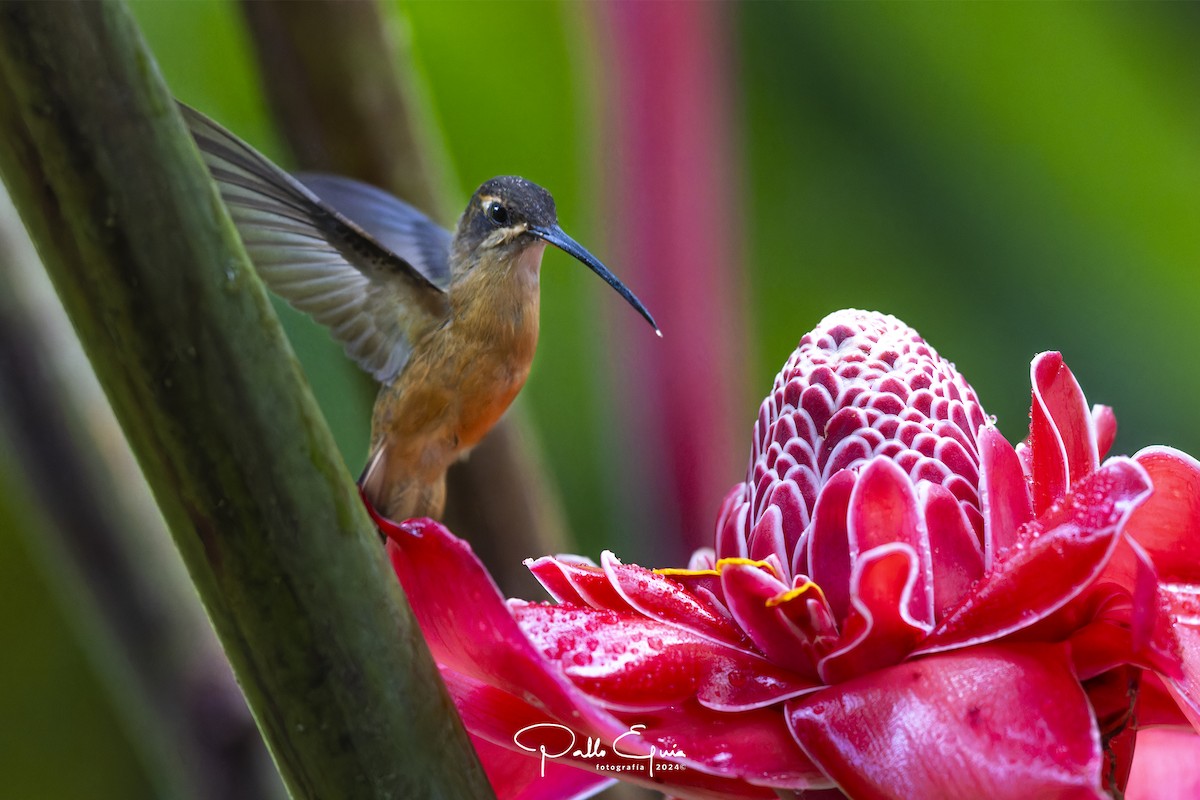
point(243, 467)
point(106, 551)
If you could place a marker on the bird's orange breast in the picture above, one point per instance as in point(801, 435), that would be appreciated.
point(461, 379)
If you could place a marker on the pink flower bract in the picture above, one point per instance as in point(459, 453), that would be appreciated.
point(898, 604)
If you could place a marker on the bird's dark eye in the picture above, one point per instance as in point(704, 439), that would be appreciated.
point(497, 213)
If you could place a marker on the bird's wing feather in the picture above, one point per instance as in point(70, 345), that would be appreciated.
point(392, 222)
point(374, 301)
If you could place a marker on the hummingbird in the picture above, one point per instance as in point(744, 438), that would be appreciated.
point(446, 322)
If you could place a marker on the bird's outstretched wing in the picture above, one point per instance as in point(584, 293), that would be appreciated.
point(392, 222)
point(374, 300)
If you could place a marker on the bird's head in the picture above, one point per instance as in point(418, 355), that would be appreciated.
point(507, 216)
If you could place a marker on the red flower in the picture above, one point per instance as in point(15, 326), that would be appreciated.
point(899, 604)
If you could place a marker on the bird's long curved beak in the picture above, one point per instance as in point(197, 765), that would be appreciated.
point(558, 237)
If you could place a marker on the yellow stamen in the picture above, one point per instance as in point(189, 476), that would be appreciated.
point(724, 562)
point(746, 562)
point(792, 594)
point(694, 573)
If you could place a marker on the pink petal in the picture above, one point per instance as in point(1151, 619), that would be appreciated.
point(953, 546)
point(1025, 456)
point(883, 510)
point(1105, 422)
point(1167, 525)
point(501, 684)
point(753, 745)
point(1184, 610)
point(1105, 629)
point(1156, 706)
point(662, 598)
point(1062, 439)
point(469, 629)
point(878, 631)
point(733, 524)
point(577, 583)
point(1153, 642)
point(767, 537)
point(702, 558)
point(1166, 766)
point(996, 722)
point(804, 609)
point(523, 779)
point(748, 590)
point(509, 734)
point(1003, 493)
point(628, 661)
point(1055, 558)
point(787, 497)
point(1100, 646)
point(701, 581)
point(829, 543)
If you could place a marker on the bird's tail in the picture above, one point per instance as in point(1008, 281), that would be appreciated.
point(396, 493)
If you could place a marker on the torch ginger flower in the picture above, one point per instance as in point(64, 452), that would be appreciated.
point(899, 603)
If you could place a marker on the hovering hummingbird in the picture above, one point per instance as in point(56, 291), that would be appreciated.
point(447, 323)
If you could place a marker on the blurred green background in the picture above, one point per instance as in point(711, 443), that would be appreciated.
point(1006, 178)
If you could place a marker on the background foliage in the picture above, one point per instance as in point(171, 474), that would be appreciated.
point(1006, 178)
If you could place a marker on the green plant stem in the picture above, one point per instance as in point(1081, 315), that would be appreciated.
point(184, 342)
point(108, 554)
